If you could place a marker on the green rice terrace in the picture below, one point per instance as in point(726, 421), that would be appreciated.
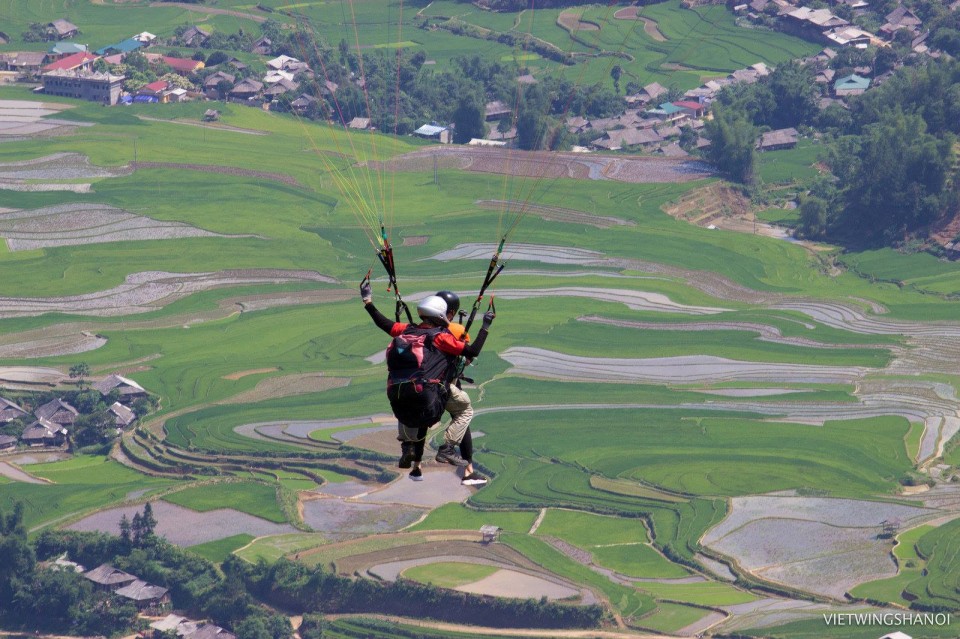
point(705, 432)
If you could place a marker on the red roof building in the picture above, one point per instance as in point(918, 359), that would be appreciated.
point(155, 87)
point(695, 108)
point(182, 65)
point(82, 61)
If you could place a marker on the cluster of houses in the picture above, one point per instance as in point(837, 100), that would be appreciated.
point(823, 25)
point(147, 597)
point(54, 420)
point(149, 600)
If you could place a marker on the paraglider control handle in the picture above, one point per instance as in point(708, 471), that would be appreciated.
point(366, 290)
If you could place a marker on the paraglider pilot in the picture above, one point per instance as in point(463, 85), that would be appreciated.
point(421, 364)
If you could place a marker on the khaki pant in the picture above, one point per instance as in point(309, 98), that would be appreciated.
point(461, 411)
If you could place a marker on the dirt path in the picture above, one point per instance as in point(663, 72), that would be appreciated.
point(204, 125)
point(510, 632)
point(539, 520)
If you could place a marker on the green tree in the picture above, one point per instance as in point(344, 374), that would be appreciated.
point(896, 180)
point(531, 130)
point(732, 145)
point(813, 218)
point(468, 119)
point(616, 72)
point(79, 372)
point(795, 94)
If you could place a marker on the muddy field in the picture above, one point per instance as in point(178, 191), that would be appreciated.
point(572, 22)
point(341, 519)
point(80, 223)
point(688, 369)
point(440, 485)
point(147, 291)
point(550, 165)
point(21, 119)
point(13, 472)
point(820, 545)
point(185, 527)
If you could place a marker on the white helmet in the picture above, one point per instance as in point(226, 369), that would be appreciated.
point(434, 309)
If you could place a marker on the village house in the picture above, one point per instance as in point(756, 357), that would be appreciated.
point(850, 37)
point(194, 37)
point(263, 46)
point(646, 95)
point(123, 47)
point(811, 23)
point(7, 442)
point(183, 66)
point(359, 124)
point(145, 37)
point(211, 115)
point(247, 90)
point(668, 112)
point(44, 433)
point(279, 88)
point(154, 89)
point(692, 108)
point(128, 389)
point(617, 139)
point(82, 61)
point(63, 49)
point(852, 84)
point(496, 110)
point(146, 597)
point(435, 132)
point(61, 29)
point(9, 411)
point(107, 578)
point(211, 82)
point(27, 63)
point(123, 416)
point(57, 411)
point(281, 62)
point(778, 139)
point(104, 88)
point(672, 150)
point(901, 18)
point(303, 103)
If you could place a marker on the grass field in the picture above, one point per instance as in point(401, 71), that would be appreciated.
point(254, 498)
point(449, 574)
point(217, 551)
point(909, 564)
point(80, 485)
point(632, 474)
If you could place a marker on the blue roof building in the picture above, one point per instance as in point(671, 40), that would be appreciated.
point(67, 48)
point(852, 84)
point(126, 46)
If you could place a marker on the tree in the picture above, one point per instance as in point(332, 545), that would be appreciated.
point(732, 145)
point(148, 520)
point(531, 130)
point(813, 218)
point(19, 561)
point(896, 180)
point(468, 119)
point(79, 372)
point(795, 94)
point(125, 531)
point(616, 72)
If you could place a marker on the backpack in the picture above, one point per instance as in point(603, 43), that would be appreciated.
point(417, 377)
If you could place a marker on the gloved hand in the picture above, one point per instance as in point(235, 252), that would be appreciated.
point(488, 319)
point(366, 292)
